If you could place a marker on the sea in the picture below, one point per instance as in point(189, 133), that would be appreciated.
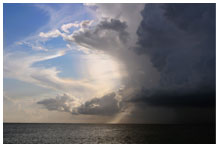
point(59, 133)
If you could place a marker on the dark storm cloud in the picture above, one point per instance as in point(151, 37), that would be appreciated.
point(180, 41)
point(106, 105)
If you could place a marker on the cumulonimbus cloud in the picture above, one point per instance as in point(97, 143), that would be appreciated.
point(174, 53)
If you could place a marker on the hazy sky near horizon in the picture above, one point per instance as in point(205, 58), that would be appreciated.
point(109, 63)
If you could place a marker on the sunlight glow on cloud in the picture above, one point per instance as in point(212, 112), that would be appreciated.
point(103, 71)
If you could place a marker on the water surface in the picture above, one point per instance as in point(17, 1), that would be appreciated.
point(42, 133)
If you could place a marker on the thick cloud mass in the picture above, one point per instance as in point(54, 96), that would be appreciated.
point(106, 35)
point(106, 105)
point(60, 103)
point(180, 40)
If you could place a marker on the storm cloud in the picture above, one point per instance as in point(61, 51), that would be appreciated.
point(170, 69)
point(180, 41)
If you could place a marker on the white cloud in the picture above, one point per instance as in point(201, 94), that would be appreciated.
point(83, 24)
point(19, 66)
point(51, 34)
point(66, 27)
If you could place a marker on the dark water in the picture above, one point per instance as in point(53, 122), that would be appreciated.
point(107, 133)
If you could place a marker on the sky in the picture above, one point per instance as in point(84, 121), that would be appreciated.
point(109, 63)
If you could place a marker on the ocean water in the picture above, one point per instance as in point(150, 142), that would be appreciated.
point(42, 133)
